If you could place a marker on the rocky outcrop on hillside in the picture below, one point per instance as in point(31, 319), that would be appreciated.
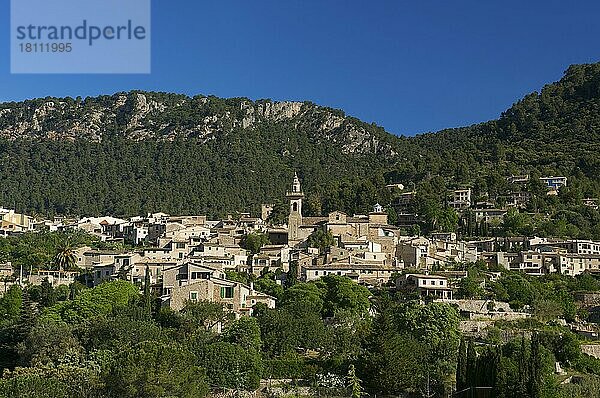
point(158, 116)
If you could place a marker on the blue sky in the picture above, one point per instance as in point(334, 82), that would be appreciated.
point(409, 66)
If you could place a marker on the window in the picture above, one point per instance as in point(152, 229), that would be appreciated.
point(432, 283)
point(227, 292)
point(194, 296)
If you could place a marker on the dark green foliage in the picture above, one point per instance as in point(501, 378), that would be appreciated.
point(10, 304)
point(254, 241)
point(564, 345)
point(587, 364)
point(44, 294)
point(550, 296)
point(98, 301)
point(120, 330)
point(38, 386)
point(204, 315)
point(519, 368)
point(244, 332)
point(461, 366)
point(471, 365)
point(154, 370)
point(534, 387)
point(410, 344)
point(469, 288)
point(147, 294)
point(516, 289)
point(342, 294)
point(63, 381)
point(124, 177)
point(283, 368)
point(50, 343)
point(321, 240)
point(283, 331)
point(303, 297)
point(280, 213)
point(267, 284)
point(586, 282)
point(231, 366)
point(103, 342)
point(14, 324)
point(587, 386)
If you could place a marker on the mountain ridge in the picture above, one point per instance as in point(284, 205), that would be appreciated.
point(129, 153)
point(139, 115)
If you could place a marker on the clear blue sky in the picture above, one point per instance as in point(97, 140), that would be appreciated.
point(410, 66)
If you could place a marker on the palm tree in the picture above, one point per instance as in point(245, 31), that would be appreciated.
point(65, 258)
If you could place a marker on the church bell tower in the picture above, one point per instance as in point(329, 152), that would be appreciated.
point(295, 197)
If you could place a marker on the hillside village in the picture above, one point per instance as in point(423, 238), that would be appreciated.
point(194, 258)
point(448, 264)
point(298, 200)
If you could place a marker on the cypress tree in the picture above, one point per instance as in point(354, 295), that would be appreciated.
point(535, 368)
point(471, 365)
point(496, 360)
point(461, 368)
point(523, 381)
point(147, 294)
point(26, 319)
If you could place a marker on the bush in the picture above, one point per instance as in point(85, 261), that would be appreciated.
point(292, 368)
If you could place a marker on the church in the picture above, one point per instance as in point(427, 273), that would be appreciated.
point(364, 248)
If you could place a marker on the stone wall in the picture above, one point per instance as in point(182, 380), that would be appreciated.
point(592, 350)
point(588, 299)
point(481, 306)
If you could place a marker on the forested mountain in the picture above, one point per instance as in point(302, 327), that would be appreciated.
point(136, 152)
